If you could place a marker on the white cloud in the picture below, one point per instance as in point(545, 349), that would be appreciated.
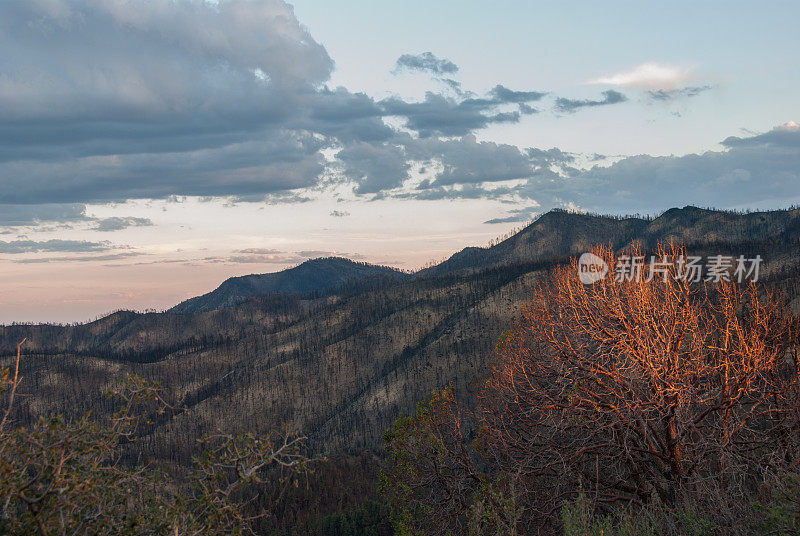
point(649, 76)
point(789, 126)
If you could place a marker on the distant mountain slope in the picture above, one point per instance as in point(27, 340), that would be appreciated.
point(311, 276)
point(559, 233)
point(555, 234)
point(693, 225)
point(343, 365)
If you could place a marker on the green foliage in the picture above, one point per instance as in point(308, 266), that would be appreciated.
point(495, 509)
point(780, 513)
point(777, 515)
point(370, 520)
point(695, 522)
point(580, 518)
point(413, 444)
point(67, 477)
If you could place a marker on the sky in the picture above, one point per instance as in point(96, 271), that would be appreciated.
point(149, 150)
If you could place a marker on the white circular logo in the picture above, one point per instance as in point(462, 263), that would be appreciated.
point(591, 268)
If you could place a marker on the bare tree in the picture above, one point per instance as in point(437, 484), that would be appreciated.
point(640, 391)
point(60, 477)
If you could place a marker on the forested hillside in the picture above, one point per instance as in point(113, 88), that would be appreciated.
point(315, 275)
point(341, 365)
point(339, 362)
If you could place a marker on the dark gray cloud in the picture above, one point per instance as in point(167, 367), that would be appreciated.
point(378, 168)
point(502, 95)
point(672, 94)
point(286, 161)
point(374, 167)
point(785, 136)
point(31, 246)
point(761, 170)
point(571, 105)
point(65, 214)
point(517, 215)
point(440, 115)
point(191, 73)
point(463, 191)
point(24, 215)
point(106, 101)
point(757, 171)
point(101, 100)
point(454, 85)
point(425, 62)
point(547, 157)
point(81, 258)
point(346, 116)
point(117, 223)
point(466, 160)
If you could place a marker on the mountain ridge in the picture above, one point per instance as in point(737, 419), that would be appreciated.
point(341, 365)
point(554, 234)
point(564, 233)
point(314, 275)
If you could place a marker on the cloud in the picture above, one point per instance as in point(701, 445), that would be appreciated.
point(24, 215)
point(378, 169)
point(570, 105)
point(261, 251)
point(346, 116)
point(117, 223)
point(260, 259)
point(101, 100)
point(502, 94)
point(761, 170)
point(83, 258)
point(659, 81)
point(178, 55)
point(652, 76)
point(467, 160)
point(672, 94)
point(104, 101)
point(258, 255)
point(547, 157)
point(517, 215)
point(757, 171)
point(30, 246)
point(315, 253)
point(425, 62)
point(789, 126)
point(282, 161)
point(374, 167)
point(785, 136)
point(440, 115)
point(46, 214)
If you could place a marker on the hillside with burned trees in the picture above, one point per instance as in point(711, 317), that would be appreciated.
point(340, 363)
